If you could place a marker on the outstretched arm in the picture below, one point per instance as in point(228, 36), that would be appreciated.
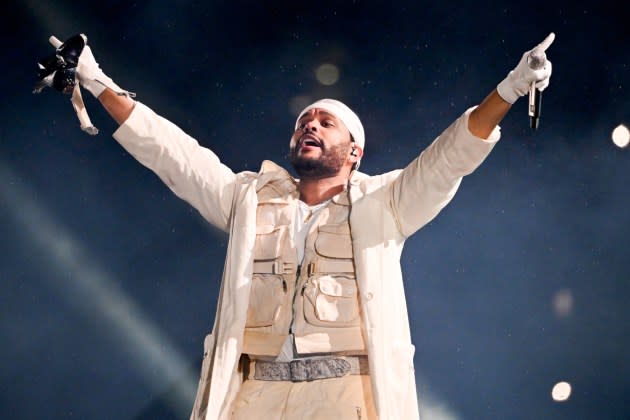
point(429, 182)
point(192, 172)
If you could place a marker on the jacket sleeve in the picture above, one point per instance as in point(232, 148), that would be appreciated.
point(430, 181)
point(192, 172)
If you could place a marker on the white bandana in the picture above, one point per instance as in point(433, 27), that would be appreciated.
point(345, 114)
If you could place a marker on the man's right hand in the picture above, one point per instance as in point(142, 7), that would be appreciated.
point(89, 73)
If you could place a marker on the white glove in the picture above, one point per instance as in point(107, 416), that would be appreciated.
point(90, 75)
point(518, 81)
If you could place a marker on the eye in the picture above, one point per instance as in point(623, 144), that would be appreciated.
point(328, 123)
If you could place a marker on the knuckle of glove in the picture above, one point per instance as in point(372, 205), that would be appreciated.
point(86, 62)
point(522, 80)
point(542, 85)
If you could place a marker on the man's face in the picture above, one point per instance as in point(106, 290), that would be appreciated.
point(320, 145)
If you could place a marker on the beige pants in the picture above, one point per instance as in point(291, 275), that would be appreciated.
point(346, 398)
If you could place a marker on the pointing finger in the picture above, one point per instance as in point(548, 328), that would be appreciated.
point(546, 43)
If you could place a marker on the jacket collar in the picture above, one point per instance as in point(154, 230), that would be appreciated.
point(356, 177)
point(285, 184)
point(272, 173)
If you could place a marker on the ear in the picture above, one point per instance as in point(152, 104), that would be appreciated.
point(356, 153)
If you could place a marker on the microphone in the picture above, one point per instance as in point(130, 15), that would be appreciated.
point(536, 61)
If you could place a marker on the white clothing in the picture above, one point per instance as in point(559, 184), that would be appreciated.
point(385, 210)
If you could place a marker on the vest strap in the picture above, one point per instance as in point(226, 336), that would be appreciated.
point(330, 266)
point(276, 266)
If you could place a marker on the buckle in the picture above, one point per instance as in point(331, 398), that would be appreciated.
point(310, 269)
point(281, 267)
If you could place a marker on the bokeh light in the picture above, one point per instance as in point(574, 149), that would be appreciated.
point(561, 391)
point(327, 74)
point(563, 303)
point(621, 136)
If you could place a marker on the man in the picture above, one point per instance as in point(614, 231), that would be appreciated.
point(312, 320)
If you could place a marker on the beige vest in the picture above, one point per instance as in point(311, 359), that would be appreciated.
point(317, 300)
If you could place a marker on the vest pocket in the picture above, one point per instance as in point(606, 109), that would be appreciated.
point(266, 299)
point(269, 241)
point(331, 301)
point(334, 241)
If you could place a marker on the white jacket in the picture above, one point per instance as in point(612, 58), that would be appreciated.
point(385, 210)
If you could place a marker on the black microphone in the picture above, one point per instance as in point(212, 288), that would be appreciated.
point(536, 61)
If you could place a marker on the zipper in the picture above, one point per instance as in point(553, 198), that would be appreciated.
point(297, 281)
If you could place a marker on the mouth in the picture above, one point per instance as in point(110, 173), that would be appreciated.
point(308, 140)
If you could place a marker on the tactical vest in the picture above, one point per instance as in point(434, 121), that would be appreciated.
point(316, 300)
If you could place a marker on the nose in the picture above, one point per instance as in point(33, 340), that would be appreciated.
point(309, 126)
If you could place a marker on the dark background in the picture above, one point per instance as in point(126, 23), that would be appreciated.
point(109, 282)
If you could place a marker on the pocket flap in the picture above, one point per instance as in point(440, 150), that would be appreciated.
point(333, 241)
point(269, 241)
point(340, 229)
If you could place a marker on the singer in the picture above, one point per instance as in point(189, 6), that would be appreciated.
point(312, 320)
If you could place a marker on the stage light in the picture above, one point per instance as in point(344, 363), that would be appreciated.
point(327, 74)
point(432, 406)
point(621, 136)
point(561, 391)
point(87, 286)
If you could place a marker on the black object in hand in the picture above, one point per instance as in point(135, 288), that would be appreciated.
point(58, 70)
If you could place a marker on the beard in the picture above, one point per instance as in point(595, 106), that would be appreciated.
point(327, 165)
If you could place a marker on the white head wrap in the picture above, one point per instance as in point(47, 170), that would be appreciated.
point(345, 114)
